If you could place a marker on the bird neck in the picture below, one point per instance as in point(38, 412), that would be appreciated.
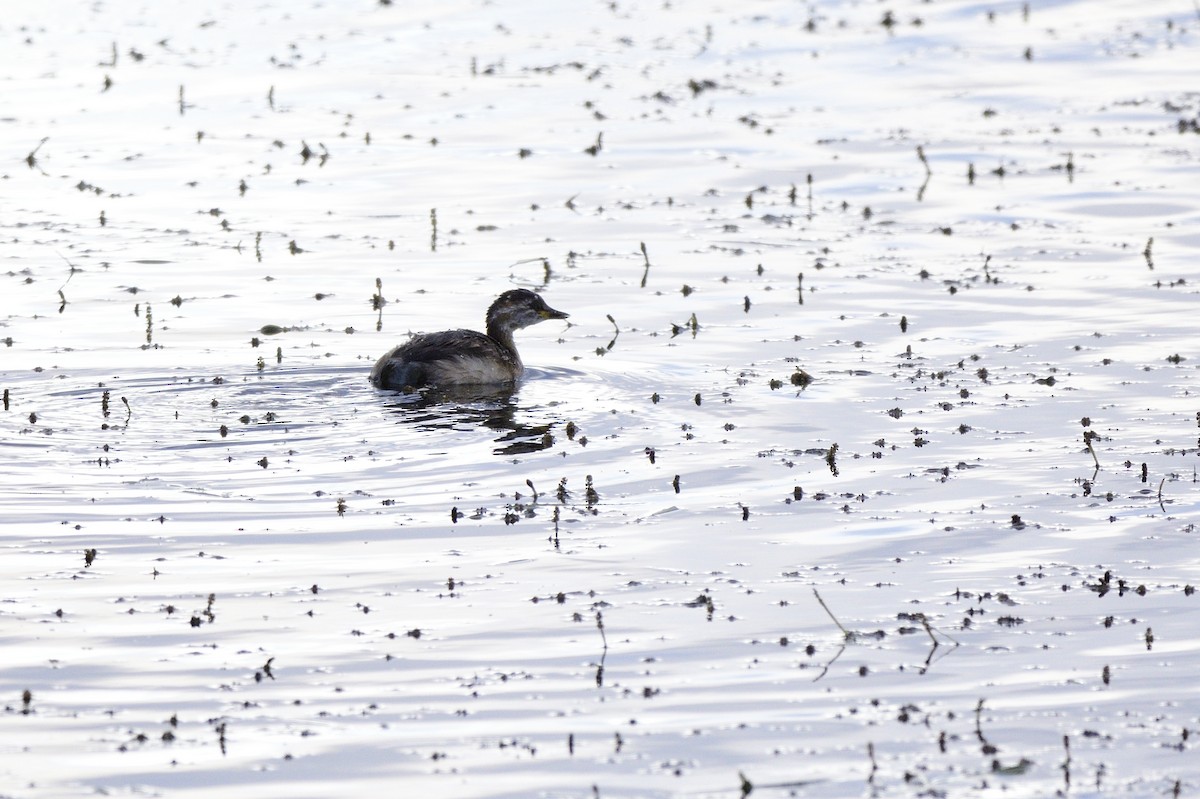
point(502, 335)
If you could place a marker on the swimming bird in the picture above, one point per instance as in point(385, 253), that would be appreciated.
point(466, 357)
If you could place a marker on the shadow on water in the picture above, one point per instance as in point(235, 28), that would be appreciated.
point(466, 408)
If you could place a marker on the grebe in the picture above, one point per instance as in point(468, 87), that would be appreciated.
point(466, 357)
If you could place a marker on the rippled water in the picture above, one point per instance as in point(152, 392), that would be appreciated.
point(799, 503)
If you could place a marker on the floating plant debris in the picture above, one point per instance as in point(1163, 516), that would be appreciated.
point(880, 542)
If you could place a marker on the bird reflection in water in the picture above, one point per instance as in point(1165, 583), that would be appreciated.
point(467, 407)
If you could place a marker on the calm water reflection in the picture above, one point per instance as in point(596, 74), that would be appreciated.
point(258, 573)
point(464, 408)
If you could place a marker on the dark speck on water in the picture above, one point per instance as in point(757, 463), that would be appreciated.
point(913, 278)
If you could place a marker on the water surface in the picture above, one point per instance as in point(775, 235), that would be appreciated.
point(799, 503)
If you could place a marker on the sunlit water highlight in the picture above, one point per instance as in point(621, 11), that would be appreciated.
point(802, 355)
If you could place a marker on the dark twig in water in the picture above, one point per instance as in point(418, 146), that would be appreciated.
point(546, 270)
point(845, 632)
point(63, 297)
point(987, 276)
point(646, 273)
point(924, 160)
point(1147, 254)
point(832, 660)
point(986, 747)
point(930, 630)
point(377, 303)
point(1066, 765)
point(928, 173)
point(31, 158)
point(616, 332)
point(603, 652)
point(748, 787)
point(1088, 435)
point(692, 324)
point(377, 300)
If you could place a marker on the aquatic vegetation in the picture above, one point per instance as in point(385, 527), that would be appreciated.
point(879, 477)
